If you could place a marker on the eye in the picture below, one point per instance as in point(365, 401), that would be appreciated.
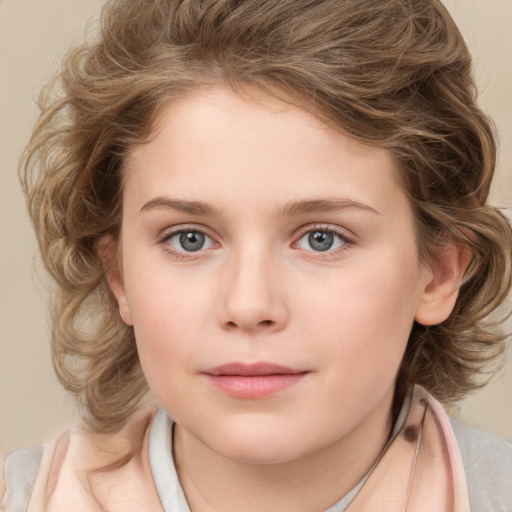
point(189, 240)
point(321, 240)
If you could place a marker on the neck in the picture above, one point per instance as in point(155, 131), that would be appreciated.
point(314, 481)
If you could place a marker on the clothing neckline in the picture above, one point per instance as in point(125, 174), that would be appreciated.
point(166, 479)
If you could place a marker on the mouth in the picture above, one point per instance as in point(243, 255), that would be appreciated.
point(252, 381)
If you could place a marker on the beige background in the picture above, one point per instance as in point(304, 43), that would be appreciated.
point(33, 34)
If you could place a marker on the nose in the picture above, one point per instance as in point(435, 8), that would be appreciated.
point(253, 298)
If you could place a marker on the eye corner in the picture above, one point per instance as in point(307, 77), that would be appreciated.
point(187, 242)
point(322, 240)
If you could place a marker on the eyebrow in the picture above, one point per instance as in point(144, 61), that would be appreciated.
point(180, 205)
point(323, 205)
point(291, 208)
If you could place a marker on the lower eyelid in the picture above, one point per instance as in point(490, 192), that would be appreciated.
point(165, 242)
point(328, 253)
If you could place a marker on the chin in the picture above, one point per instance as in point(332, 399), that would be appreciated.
point(259, 448)
point(260, 455)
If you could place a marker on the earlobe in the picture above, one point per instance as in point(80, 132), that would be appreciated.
point(442, 288)
point(107, 252)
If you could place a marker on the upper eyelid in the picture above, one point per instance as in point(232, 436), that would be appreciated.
point(344, 233)
point(164, 241)
point(170, 232)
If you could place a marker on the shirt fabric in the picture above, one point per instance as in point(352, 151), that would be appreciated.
point(487, 464)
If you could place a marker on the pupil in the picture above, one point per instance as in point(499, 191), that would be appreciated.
point(192, 241)
point(321, 240)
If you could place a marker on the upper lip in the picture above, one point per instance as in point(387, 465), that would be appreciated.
point(250, 369)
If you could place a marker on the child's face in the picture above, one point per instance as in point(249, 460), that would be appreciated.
point(253, 234)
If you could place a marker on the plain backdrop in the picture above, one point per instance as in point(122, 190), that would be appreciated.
point(33, 36)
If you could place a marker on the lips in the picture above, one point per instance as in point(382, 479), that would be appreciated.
point(252, 381)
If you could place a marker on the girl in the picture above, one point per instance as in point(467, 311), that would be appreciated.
point(272, 216)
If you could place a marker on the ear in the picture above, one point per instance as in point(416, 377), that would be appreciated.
point(110, 259)
point(442, 287)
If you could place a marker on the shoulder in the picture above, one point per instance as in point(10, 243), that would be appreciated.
point(488, 465)
point(83, 470)
point(18, 476)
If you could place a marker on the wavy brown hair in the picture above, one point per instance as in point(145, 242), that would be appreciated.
point(392, 73)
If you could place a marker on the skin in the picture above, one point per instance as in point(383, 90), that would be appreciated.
point(266, 175)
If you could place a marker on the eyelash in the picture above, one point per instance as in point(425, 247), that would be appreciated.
point(327, 254)
point(181, 255)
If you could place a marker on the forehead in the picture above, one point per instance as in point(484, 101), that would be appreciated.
point(207, 138)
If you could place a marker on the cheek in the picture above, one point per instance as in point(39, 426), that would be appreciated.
point(366, 321)
point(165, 322)
point(168, 312)
point(164, 333)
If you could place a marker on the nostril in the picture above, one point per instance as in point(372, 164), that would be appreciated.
point(261, 324)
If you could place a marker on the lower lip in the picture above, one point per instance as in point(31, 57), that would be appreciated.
point(256, 386)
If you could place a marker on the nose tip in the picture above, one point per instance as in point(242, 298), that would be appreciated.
point(253, 299)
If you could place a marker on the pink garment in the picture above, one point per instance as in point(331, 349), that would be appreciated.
point(69, 479)
point(421, 470)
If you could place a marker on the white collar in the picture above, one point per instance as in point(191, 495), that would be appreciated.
point(166, 479)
